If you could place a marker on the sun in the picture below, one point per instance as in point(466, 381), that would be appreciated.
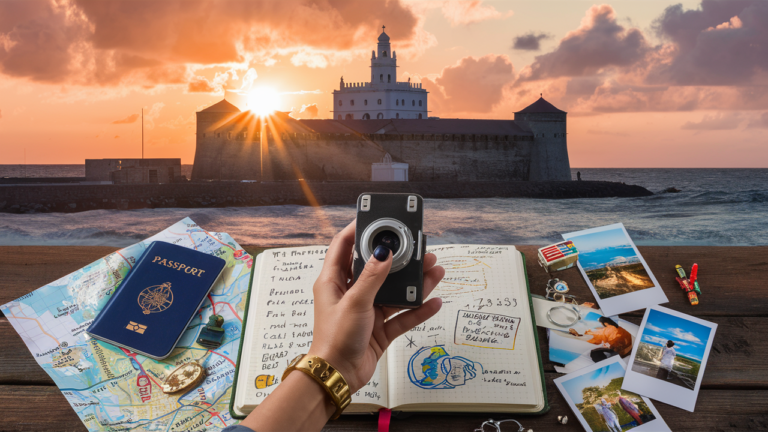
point(263, 100)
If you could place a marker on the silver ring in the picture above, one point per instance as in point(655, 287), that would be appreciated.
point(403, 255)
point(569, 308)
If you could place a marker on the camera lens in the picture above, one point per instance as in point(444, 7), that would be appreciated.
point(387, 239)
point(392, 234)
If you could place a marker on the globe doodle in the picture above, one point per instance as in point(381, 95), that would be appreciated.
point(156, 298)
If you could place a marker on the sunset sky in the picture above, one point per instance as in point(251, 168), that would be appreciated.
point(645, 83)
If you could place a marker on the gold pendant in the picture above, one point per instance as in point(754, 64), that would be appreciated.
point(184, 378)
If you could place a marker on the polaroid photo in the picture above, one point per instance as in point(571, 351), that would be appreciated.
point(615, 271)
point(668, 362)
point(597, 399)
point(612, 340)
point(598, 338)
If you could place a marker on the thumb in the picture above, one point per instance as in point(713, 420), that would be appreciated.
point(362, 293)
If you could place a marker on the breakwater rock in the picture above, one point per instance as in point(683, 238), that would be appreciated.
point(75, 198)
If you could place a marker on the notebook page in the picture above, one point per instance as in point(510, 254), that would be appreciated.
point(281, 320)
point(479, 347)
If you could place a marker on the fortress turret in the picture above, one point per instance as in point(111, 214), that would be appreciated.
point(208, 140)
point(549, 158)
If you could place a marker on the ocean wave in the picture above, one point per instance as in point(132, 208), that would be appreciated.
point(715, 207)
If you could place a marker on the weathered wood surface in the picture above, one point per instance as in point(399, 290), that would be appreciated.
point(42, 408)
point(733, 391)
point(731, 277)
point(736, 361)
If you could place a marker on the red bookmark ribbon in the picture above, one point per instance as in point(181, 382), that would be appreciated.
point(385, 415)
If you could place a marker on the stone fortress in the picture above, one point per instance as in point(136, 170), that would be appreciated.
point(240, 145)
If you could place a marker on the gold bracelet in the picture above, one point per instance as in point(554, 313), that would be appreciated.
point(327, 376)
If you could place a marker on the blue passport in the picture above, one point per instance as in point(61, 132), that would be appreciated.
point(158, 299)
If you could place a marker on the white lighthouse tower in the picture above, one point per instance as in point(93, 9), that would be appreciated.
point(383, 97)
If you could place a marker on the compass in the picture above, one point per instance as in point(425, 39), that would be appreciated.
point(156, 298)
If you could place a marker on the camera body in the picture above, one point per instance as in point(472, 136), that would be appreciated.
point(395, 220)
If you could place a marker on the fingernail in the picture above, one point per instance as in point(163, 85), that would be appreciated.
point(381, 253)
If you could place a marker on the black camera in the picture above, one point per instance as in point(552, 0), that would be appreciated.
point(396, 221)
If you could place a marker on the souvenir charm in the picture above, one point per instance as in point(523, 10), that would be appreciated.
point(556, 291)
point(690, 286)
point(559, 256)
point(212, 334)
point(556, 257)
point(184, 378)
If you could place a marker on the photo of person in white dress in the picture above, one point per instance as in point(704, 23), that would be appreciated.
point(667, 361)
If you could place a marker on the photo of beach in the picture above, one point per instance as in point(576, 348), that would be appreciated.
point(598, 397)
point(671, 349)
point(611, 263)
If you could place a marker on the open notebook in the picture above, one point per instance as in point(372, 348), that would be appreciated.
point(480, 353)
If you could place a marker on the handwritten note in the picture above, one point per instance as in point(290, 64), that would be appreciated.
point(486, 330)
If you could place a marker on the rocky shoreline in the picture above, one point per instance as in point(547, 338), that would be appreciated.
point(70, 198)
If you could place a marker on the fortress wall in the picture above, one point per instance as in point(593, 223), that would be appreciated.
point(339, 157)
point(461, 158)
point(328, 157)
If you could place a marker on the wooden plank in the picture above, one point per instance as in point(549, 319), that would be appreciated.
point(27, 268)
point(730, 276)
point(721, 410)
point(732, 362)
point(17, 365)
point(37, 408)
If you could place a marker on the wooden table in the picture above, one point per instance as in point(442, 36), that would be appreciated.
point(733, 396)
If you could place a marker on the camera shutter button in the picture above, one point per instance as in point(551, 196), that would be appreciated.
point(411, 297)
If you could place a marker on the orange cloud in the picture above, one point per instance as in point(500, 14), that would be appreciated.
point(123, 42)
point(310, 111)
point(130, 119)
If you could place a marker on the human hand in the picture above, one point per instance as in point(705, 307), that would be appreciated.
point(350, 332)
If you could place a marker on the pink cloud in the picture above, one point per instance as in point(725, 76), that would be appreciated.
point(464, 12)
point(719, 44)
point(599, 42)
point(472, 85)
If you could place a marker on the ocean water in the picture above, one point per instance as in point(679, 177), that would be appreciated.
point(715, 207)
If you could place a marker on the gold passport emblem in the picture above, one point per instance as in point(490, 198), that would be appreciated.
point(138, 328)
point(156, 298)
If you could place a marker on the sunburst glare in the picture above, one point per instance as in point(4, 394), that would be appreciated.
point(263, 100)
